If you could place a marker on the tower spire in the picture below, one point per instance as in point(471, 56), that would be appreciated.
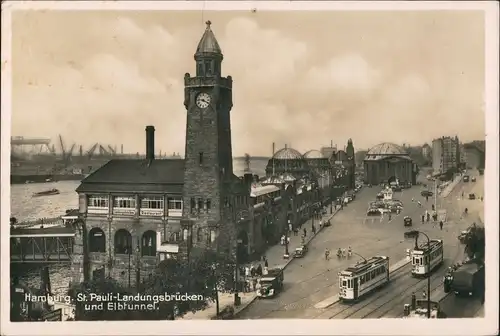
point(208, 55)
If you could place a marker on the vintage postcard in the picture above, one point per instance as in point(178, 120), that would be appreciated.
point(287, 167)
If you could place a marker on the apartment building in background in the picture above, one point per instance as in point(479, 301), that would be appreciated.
point(445, 154)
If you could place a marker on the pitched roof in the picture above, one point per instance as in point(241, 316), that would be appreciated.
point(208, 42)
point(129, 173)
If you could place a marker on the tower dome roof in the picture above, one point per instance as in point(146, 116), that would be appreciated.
point(387, 148)
point(313, 154)
point(287, 154)
point(208, 42)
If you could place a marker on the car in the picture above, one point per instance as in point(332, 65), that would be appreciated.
point(465, 178)
point(463, 236)
point(473, 179)
point(300, 251)
point(407, 221)
point(380, 196)
point(472, 196)
point(373, 212)
point(426, 193)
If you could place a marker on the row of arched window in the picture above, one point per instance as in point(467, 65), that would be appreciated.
point(122, 242)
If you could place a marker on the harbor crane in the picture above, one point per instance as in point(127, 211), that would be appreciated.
point(111, 150)
point(91, 151)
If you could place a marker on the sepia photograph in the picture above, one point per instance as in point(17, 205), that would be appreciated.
point(281, 165)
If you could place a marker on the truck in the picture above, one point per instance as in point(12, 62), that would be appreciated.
point(271, 283)
point(468, 280)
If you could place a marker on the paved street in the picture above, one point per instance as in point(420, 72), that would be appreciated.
point(313, 279)
point(389, 301)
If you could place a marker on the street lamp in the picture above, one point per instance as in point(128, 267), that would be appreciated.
point(138, 265)
point(287, 255)
point(237, 300)
point(416, 233)
point(216, 289)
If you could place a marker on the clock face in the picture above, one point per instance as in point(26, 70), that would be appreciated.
point(203, 100)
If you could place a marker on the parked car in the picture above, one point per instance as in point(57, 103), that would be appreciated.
point(465, 178)
point(373, 212)
point(472, 196)
point(426, 193)
point(407, 221)
point(380, 196)
point(473, 179)
point(300, 251)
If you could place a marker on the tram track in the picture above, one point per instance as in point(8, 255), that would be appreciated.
point(364, 309)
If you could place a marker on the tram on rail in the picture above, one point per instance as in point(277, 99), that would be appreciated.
point(426, 258)
point(363, 278)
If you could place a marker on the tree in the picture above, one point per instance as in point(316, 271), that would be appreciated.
point(204, 275)
point(475, 242)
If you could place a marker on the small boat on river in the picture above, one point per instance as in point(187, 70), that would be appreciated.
point(46, 193)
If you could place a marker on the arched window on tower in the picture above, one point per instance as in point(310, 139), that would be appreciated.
point(208, 68)
point(123, 242)
point(199, 69)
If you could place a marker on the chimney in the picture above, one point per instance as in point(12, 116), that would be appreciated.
point(121, 149)
point(150, 143)
point(274, 148)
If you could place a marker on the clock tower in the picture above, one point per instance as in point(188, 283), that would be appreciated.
point(208, 154)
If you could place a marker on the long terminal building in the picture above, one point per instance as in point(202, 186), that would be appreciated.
point(137, 212)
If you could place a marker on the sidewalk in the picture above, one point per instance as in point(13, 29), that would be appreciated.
point(449, 188)
point(274, 255)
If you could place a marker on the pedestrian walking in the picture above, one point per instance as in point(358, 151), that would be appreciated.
point(441, 225)
point(423, 218)
point(314, 229)
point(305, 232)
point(266, 263)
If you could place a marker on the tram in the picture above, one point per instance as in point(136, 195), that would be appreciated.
point(363, 278)
point(426, 257)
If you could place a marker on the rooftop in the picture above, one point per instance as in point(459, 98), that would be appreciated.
point(387, 148)
point(208, 42)
point(136, 175)
point(287, 153)
point(313, 154)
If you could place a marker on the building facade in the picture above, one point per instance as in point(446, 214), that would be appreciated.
point(474, 156)
point(445, 154)
point(427, 151)
point(388, 162)
point(138, 212)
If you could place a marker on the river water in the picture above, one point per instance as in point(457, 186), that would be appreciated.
point(24, 207)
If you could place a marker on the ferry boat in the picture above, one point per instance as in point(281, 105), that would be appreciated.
point(47, 193)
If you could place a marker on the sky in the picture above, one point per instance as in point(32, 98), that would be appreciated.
point(304, 79)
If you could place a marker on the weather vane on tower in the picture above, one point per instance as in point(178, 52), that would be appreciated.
point(208, 24)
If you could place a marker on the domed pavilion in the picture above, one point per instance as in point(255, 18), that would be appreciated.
point(388, 162)
point(287, 160)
